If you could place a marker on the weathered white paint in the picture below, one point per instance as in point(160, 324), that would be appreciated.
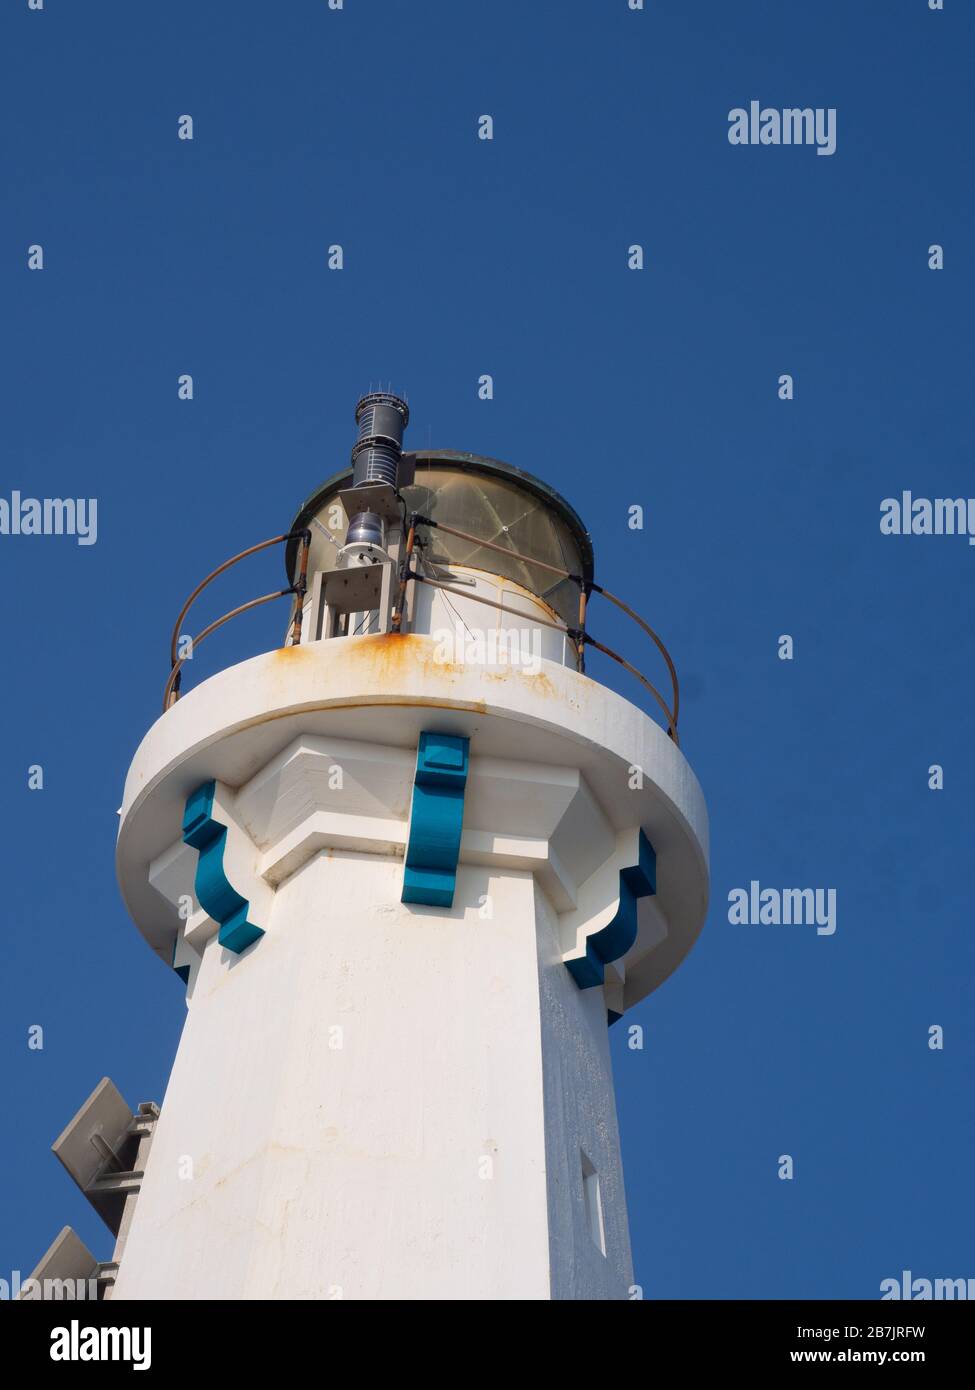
point(433, 1146)
point(523, 618)
point(428, 1155)
point(384, 691)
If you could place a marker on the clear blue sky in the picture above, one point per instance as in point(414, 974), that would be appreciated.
point(462, 257)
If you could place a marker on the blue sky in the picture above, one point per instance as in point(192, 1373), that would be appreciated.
point(657, 388)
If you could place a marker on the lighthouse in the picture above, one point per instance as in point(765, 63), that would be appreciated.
point(411, 866)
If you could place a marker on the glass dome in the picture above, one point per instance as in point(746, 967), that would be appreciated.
point(488, 499)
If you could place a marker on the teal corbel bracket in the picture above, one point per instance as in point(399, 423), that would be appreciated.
point(430, 873)
point(214, 893)
point(616, 938)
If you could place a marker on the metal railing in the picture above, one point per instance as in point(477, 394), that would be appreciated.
point(578, 634)
point(172, 692)
point(580, 637)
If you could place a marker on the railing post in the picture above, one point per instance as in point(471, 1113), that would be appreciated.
point(301, 587)
point(404, 574)
point(581, 643)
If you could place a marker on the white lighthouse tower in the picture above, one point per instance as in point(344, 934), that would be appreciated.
point(411, 866)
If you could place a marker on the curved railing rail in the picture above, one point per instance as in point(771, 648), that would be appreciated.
point(172, 691)
point(578, 634)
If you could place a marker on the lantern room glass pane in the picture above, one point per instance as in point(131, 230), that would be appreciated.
point(497, 510)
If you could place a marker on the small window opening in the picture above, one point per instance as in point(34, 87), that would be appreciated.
point(594, 1204)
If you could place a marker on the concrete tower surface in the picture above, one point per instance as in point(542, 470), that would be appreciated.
point(410, 866)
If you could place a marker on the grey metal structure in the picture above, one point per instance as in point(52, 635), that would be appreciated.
point(381, 418)
point(104, 1150)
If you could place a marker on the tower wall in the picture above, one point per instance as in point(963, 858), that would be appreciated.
point(380, 1101)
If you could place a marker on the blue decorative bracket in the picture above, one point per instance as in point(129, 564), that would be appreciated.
point(616, 938)
point(430, 874)
point(223, 903)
